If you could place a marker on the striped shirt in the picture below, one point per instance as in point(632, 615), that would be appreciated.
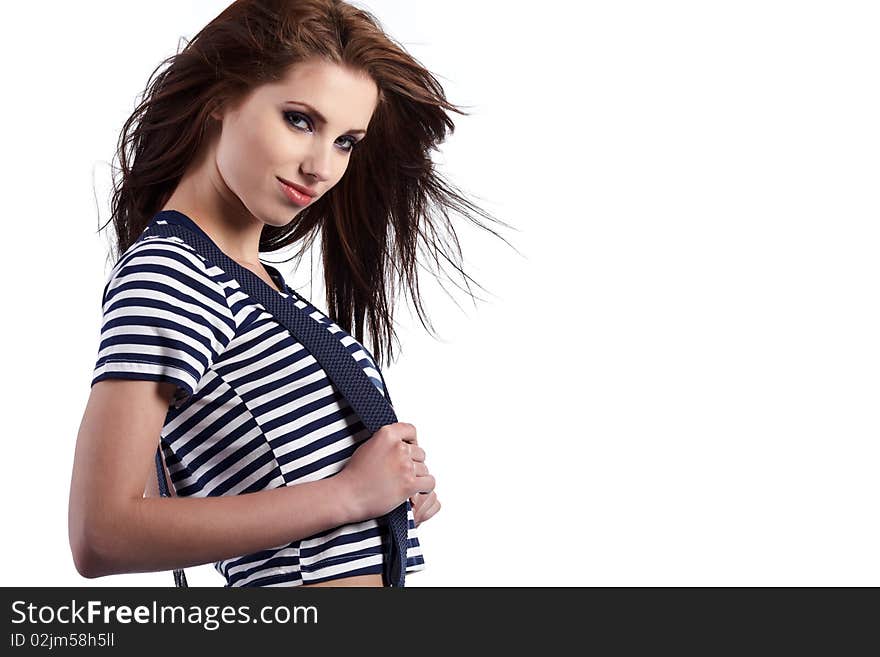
point(253, 409)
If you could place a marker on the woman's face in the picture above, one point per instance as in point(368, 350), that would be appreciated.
point(300, 129)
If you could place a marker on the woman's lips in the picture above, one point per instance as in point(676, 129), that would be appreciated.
point(294, 195)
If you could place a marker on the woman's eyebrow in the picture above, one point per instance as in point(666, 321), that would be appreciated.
point(320, 116)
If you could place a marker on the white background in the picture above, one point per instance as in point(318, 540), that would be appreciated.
point(674, 382)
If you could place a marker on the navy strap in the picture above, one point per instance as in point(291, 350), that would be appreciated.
point(365, 399)
point(179, 576)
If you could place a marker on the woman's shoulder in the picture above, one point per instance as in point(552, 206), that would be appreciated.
point(171, 255)
point(166, 249)
point(167, 264)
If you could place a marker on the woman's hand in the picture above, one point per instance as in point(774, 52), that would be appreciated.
point(424, 505)
point(385, 470)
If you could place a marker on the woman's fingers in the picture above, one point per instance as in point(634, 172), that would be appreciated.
point(425, 505)
point(426, 510)
point(416, 453)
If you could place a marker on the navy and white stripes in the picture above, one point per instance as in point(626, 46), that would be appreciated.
point(253, 410)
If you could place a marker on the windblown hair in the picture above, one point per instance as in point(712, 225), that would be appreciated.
point(373, 220)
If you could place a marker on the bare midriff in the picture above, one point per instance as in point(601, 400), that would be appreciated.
point(373, 579)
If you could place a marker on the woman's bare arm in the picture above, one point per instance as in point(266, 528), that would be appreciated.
point(114, 529)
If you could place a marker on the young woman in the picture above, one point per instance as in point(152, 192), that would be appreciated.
point(280, 120)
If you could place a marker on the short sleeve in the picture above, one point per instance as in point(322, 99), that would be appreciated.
point(164, 317)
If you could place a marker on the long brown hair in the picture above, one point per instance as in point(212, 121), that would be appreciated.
point(373, 220)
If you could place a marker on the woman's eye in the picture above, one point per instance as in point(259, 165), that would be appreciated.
point(294, 117)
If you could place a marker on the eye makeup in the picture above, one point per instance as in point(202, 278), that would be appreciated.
point(292, 117)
